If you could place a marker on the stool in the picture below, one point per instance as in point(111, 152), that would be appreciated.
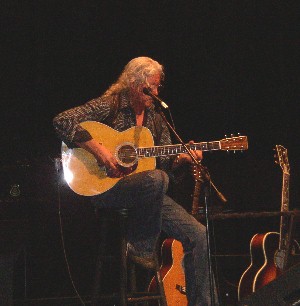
point(123, 296)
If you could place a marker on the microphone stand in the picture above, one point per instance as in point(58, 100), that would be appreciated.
point(207, 189)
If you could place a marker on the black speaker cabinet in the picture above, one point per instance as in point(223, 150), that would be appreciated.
point(285, 290)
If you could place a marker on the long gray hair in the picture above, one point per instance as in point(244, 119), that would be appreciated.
point(135, 73)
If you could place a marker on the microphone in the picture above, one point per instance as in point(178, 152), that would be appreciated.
point(147, 91)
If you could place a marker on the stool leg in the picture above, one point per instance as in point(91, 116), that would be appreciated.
point(162, 301)
point(123, 261)
point(132, 276)
point(99, 264)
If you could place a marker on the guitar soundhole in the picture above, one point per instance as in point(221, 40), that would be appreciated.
point(126, 155)
point(181, 289)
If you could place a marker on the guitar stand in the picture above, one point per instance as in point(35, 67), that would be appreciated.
point(207, 189)
point(207, 194)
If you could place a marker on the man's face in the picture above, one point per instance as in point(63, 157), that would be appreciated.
point(153, 83)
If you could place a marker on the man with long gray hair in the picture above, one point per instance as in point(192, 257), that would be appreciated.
point(123, 106)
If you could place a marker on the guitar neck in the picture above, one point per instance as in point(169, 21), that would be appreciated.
point(285, 193)
point(157, 151)
point(196, 195)
point(284, 220)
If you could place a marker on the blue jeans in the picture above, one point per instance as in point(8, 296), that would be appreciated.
point(152, 211)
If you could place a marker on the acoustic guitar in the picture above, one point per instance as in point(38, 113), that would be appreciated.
point(134, 150)
point(172, 273)
point(269, 251)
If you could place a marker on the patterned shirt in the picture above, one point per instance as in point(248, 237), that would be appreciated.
point(116, 112)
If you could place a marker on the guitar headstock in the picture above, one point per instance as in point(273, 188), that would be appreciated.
point(238, 143)
point(281, 158)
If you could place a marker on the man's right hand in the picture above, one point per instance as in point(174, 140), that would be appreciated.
point(103, 156)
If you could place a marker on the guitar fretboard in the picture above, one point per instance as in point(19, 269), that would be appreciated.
point(284, 220)
point(158, 151)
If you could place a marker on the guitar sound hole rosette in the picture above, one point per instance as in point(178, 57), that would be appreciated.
point(126, 154)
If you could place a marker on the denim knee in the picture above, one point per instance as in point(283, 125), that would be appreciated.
point(160, 178)
point(196, 239)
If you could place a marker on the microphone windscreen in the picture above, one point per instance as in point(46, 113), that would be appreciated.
point(146, 91)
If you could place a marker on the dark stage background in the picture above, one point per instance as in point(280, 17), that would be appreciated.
point(231, 67)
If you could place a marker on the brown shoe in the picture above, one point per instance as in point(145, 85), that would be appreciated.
point(145, 262)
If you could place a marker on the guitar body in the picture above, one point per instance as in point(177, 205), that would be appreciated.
point(82, 172)
point(172, 274)
point(269, 271)
point(263, 268)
